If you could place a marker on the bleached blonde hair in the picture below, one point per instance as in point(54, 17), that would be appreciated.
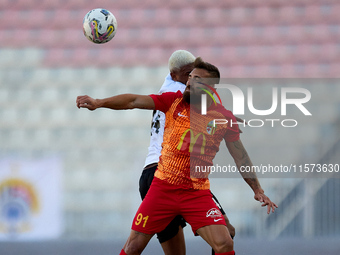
point(180, 58)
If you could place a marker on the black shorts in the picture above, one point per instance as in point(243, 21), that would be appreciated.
point(172, 229)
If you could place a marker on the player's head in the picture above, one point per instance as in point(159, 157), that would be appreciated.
point(202, 75)
point(214, 73)
point(180, 65)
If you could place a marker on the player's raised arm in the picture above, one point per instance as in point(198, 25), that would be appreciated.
point(242, 160)
point(119, 102)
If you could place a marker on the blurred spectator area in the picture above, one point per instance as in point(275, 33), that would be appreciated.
point(273, 38)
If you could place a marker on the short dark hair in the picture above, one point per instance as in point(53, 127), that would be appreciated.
point(212, 70)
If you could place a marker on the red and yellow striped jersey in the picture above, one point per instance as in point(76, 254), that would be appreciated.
point(190, 140)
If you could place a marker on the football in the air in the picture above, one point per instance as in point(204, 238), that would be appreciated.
point(99, 25)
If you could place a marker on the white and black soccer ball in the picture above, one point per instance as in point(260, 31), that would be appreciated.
point(99, 25)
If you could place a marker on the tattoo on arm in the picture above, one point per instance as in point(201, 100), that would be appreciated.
point(242, 159)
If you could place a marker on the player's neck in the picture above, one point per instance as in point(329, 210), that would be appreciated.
point(198, 106)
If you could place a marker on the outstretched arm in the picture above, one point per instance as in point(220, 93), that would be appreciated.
point(119, 102)
point(242, 160)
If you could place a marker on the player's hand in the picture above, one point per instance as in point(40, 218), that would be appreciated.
point(265, 202)
point(86, 102)
point(230, 227)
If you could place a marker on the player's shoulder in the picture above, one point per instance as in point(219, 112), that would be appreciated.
point(221, 109)
point(169, 96)
point(170, 85)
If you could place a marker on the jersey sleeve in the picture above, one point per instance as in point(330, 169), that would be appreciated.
point(164, 101)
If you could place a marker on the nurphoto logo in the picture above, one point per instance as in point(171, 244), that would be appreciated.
point(239, 105)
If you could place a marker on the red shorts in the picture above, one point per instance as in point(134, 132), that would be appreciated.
point(164, 201)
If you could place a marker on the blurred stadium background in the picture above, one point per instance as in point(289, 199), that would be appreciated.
point(46, 62)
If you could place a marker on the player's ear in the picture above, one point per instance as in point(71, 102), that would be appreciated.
point(173, 75)
point(213, 83)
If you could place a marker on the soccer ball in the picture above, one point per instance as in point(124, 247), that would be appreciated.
point(99, 25)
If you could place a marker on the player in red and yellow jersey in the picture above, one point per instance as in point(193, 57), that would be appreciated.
point(190, 140)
